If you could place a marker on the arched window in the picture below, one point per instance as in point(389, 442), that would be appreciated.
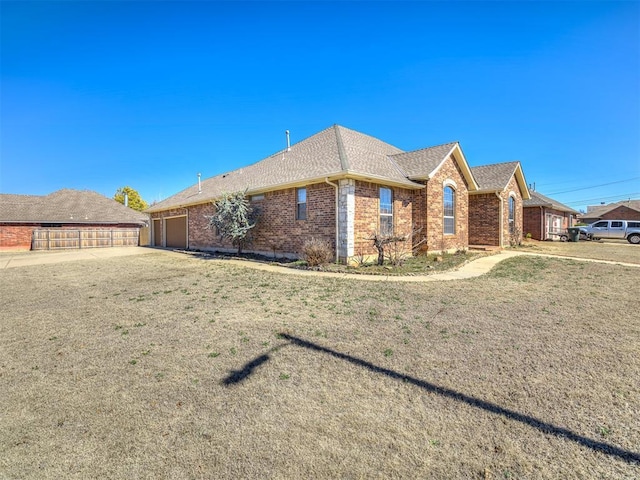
point(512, 214)
point(449, 211)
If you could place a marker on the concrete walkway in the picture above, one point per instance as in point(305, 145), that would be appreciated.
point(470, 270)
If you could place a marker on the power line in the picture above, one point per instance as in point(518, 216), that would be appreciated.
point(594, 186)
point(624, 196)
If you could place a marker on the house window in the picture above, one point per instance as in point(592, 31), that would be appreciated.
point(301, 204)
point(512, 215)
point(449, 211)
point(386, 211)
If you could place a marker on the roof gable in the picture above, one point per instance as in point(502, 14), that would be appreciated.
point(496, 177)
point(424, 163)
point(66, 206)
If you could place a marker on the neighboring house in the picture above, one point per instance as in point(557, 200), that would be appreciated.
point(495, 208)
point(545, 218)
point(338, 185)
point(66, 219)
point(624, 210)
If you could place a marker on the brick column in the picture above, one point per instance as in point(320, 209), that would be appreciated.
point(346, 218)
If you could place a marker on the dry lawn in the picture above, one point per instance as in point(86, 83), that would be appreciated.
point(163, 366)
point(612, 250)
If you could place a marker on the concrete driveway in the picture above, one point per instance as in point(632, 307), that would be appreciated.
point(23, 259)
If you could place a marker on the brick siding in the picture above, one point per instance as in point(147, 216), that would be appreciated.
point(621, 213)
point(484, 216)
point(434, 208)
point(367, 214)
point(277, 231)
point(16, 237)
point(512, 186)
point(533, 222)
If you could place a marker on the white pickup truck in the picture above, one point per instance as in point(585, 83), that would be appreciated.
point(629, 230)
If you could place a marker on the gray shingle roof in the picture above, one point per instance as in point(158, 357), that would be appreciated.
point(600, 210)
point(494, 177)
point(539, 200)
point(333, 151)
point(420, 163)
point(66, 206)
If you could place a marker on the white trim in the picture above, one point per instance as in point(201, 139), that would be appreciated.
point(452, 185)
point(472, 185)
point(449, 183)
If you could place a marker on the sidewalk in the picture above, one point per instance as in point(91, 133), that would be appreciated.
point(470, 270)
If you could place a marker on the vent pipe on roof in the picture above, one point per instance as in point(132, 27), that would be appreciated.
point(126, 199)
point(199, 185)
point(288, 140)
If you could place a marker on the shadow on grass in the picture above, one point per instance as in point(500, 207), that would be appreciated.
point(236, 376)
point(545, 427)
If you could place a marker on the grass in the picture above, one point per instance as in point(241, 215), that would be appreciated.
point(516, 374)
point(611, 250)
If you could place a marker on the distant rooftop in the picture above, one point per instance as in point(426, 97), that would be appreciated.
point(67, 206)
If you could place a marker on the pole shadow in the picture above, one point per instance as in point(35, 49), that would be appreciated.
point(545, 427)
point(237, 376)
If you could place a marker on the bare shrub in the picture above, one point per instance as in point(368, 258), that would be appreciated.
point(396, 248)
point(317, 252)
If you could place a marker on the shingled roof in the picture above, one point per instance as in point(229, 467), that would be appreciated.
point(539, 200)
point(496, 177)
point(333, 153)
point(67, 206)
point(599, 210)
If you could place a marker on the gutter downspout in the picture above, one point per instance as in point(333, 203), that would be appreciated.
point(543, 235)
point(500, 239)
point(337, 219)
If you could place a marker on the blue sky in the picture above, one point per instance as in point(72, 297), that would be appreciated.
point(98, 95)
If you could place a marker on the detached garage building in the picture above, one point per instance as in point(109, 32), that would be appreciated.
point(67, 219)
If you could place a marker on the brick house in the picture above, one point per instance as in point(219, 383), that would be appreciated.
point(495, 208)
point(623, 210)
point(338, 185)
point(545, 218)
point(66, 219)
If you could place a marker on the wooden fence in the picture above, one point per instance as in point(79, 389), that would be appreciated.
point(60, 239)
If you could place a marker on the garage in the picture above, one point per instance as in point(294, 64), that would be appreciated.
point(176, 232)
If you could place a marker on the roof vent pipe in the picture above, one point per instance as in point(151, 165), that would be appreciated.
point(288, 140)
point(126, 199)
point(199, 185)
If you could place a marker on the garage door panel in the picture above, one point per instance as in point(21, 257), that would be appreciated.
point(176, 234)
point(157, 233)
